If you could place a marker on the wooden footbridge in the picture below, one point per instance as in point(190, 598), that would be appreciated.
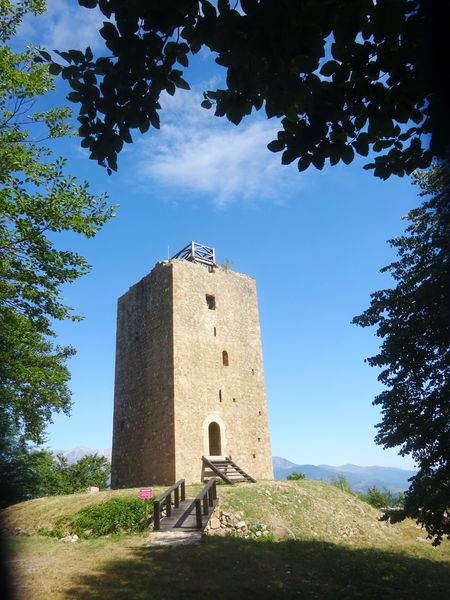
point(172, 511)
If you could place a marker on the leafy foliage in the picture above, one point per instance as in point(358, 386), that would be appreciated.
point(54, 476)
point(295, 476)
point(118, 515)
point(33, 374)
point(413, 320)
point(381, 498)
point(28, 474)
point(15, 471)
point(12, 13)
point(346, 77)
point(91, 470)
point(341, 482)
point(37, 200)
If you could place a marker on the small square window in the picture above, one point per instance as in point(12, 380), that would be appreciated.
point(211, 302)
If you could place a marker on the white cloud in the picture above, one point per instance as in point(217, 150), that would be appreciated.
point(63, 26)
point(205, 155)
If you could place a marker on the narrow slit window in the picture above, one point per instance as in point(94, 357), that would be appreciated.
point(225, 360)
point(211, 302)
point(220, 395)
point(215, 332)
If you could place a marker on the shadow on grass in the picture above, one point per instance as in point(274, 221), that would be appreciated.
point(232, 568)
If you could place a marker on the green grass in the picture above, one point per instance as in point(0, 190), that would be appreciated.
point(223, 568)
point(331, 545)
point(44, 513)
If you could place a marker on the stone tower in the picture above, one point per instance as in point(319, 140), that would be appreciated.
point(189, 374)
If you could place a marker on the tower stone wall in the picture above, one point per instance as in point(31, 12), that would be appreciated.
point(143, 448)
point(188, 360)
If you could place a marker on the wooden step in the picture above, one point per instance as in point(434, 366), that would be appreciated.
point(229, 471)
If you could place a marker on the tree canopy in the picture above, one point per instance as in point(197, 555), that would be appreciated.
point(30, 474)
point(345, 77)
point(413, 320)
point(37, 199)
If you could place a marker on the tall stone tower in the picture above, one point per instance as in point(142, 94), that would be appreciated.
point(189, 374)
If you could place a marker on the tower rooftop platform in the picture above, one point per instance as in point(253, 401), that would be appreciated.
point(198, 253)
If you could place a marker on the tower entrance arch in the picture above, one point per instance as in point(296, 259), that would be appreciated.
point(214, 438)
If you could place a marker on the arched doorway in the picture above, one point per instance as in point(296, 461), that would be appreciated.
point(215, 444)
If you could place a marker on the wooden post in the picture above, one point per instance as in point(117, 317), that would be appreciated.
point(183, 490)
point(177, 497)
point(169, 505)
point(156, 515)
point(205, 505)
point(198, 514)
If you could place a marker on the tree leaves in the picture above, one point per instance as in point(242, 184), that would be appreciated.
point(329, 68)
point(413, 323)
point(38, 199)
point(376, 82)
point(304, 162)
point(276, 146)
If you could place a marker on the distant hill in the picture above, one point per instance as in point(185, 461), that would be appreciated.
point(74, 454)
point(359, 478)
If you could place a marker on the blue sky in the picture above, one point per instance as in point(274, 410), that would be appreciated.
point(314, 241)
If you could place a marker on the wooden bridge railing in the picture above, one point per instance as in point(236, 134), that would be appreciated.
point(179, 492)
point(205, 499)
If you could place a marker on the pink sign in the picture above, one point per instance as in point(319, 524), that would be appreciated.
point(145, 493)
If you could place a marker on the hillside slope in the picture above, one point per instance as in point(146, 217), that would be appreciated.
point(324, 544)
point(314, 510)
point(303, 510)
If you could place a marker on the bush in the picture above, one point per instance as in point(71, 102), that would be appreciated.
point(295, 476)
point(118, 515)
point(49, 475)
point(382, 498)
point(91, 470)
point(376, 497)
point(342, 483)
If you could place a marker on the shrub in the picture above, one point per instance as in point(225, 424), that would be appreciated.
point(382, 498)
point(342, 483)
point(56, 532)
point(295, 476)
point(118, 515)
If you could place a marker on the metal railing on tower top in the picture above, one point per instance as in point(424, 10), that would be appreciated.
point(194, 252)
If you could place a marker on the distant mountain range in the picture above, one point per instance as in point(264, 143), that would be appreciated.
point(74, 454)
point(359, 478)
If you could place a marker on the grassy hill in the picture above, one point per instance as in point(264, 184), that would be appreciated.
point(324, 543)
